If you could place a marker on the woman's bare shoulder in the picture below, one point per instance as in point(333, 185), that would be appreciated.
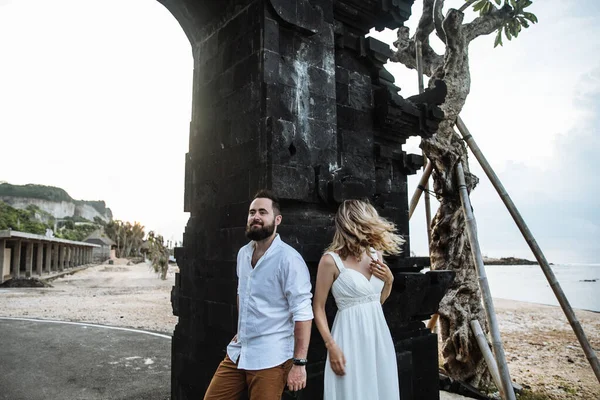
point(327, 266)
point(327, 260)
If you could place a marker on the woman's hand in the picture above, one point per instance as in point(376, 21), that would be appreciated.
point(337, 359)
point(381, 271)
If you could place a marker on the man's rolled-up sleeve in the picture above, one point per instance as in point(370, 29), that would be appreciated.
point(297, 290)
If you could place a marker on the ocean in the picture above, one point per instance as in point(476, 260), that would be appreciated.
point(579, 282)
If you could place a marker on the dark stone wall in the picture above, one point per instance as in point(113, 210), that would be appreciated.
point(224, 165)
point(290, 95)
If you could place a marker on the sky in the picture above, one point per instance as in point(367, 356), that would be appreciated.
point(95, 98)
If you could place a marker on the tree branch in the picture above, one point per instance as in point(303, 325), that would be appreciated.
point(406, 53)
point(438, 18)
point(426, 24)
point(486, 24)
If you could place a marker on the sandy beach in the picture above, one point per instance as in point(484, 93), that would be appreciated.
point(543, 353)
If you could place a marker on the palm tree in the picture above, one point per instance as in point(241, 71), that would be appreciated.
point(137, 238)
point(158, 254)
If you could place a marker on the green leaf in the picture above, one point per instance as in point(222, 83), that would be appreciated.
point(499, 2)
point(530, 17)
point(498, 40)
point(507, 32)
point(486, 8)
point(523, 22)
point(478, 6)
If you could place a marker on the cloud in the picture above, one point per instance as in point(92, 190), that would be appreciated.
point(560, 200)
point(534, 109)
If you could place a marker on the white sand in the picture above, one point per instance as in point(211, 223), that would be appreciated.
point(119, 295)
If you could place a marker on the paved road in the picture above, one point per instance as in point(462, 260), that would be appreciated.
point(45, 360)
point(42, 360)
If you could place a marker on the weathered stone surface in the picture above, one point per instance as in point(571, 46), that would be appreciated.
point(290, 95)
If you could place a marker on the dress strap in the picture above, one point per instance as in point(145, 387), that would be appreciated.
point(337, 259)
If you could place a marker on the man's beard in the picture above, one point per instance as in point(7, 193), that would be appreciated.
point(260, 233)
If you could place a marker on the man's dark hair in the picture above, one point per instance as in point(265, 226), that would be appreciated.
point(267, 194)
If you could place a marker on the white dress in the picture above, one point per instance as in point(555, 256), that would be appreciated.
point(361, 331)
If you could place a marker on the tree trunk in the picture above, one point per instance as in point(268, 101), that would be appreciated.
point(449, 246)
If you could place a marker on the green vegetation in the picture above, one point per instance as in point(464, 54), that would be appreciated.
point(42, 192)
point(158, 254)
point(128, 237)
point(76, 232)
point(518, 18)
point(33, 220)
point(48, 193)
point(21, 220)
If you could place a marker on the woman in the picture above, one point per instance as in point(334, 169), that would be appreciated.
point(361, 361)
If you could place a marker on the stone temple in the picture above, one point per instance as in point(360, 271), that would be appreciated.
point(291, 95)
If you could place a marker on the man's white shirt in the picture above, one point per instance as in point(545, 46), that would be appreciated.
point(272, 297)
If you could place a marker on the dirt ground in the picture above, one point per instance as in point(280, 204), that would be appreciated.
point(542, 350)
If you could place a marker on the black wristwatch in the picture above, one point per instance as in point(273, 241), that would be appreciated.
point(299, 361)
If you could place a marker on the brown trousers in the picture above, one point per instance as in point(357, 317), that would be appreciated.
point(229, 382)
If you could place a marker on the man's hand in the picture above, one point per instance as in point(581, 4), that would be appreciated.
point(297, 378)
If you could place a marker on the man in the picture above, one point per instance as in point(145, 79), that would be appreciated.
point(274, 313)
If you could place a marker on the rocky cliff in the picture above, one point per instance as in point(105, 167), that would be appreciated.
point(55, 201)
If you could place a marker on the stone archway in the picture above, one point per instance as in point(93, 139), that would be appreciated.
point(291, 95)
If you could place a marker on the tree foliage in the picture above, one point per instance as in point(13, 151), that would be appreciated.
point(21, 220)
point(158, 254)
point(42, 192)
point(36, 221)
point(128, 237)
point(515, 9)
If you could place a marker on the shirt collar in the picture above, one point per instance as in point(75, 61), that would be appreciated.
point(275, 243)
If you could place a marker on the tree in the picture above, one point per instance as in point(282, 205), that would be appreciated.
point(449, 245)
point(129, 238)
point(137, 238)
point(114, 230)
point(158, 254)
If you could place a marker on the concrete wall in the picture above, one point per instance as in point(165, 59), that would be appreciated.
point(6, 265)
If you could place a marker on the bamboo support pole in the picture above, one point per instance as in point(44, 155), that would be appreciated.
point(506, 389)
point(420, 188)
point(539, 255)
point(419, 61)
point(487, 353)
point(427, 205)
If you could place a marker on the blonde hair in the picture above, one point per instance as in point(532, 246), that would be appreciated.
point(359, 227)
